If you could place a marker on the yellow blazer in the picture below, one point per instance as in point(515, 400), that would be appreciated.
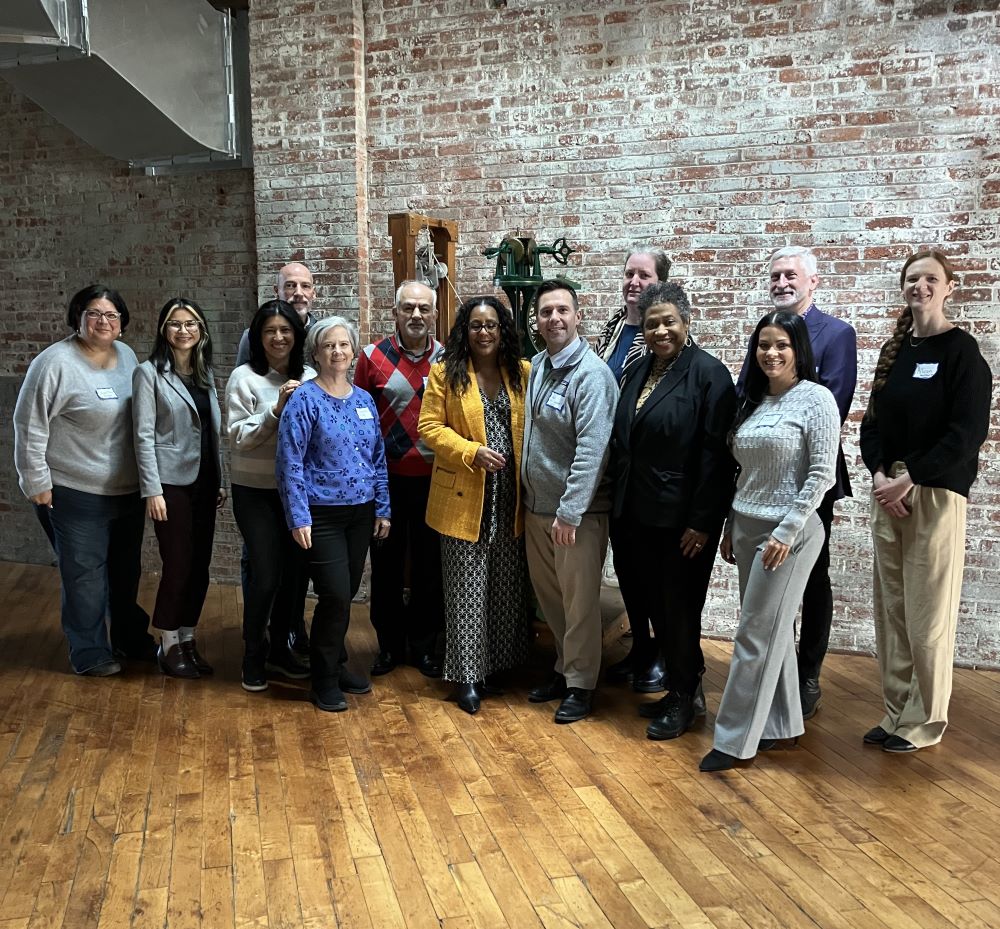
point(453, 426)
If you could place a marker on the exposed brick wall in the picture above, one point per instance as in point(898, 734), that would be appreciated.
point(70, 216)
point(717, 129)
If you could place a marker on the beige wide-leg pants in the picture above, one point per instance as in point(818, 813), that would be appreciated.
point(918, 585)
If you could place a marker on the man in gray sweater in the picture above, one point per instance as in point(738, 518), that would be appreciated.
point(569, 412)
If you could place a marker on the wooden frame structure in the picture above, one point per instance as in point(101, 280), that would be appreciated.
point(403, 231)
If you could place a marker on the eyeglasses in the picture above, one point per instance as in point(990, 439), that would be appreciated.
point(191, 325)
point(477, 326)
point(95, 315)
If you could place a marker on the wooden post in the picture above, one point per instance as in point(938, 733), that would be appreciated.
point(403, 231)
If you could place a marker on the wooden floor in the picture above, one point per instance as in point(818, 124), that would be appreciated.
point(141, 802)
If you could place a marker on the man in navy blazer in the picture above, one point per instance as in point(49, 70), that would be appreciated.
point(793, 281)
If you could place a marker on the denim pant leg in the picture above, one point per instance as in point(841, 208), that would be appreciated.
point(81, 523)
point(129, 623)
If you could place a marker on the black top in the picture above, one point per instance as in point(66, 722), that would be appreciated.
point(202, 404)
point(933, 413)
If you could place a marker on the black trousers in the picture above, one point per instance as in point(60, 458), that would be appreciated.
point(185, 541)
point(661, 586)
point(278, 576)
point(419, 623)
point(817, 603)
point(340, 539)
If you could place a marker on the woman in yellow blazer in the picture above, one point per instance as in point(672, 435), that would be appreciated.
point(472, 418)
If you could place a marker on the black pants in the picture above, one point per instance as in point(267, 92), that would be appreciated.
point(661, 586)
point(185, 541)
point(418, 624)
point(278, 578)
point(817, 603)
point(340, 539)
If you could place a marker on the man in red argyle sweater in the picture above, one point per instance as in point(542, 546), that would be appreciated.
point(394, 371)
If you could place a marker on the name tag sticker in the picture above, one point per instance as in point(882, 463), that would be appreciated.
point(107, 393)
point(556, 401)
point(925, 370)
point(364, 413)
point(770, 419)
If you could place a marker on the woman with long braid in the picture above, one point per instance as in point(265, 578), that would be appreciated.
point(927, 417)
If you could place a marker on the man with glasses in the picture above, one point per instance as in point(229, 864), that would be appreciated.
point(394, 371)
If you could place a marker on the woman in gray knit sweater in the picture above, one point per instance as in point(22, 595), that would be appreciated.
point(785, 440)
point(74, 455)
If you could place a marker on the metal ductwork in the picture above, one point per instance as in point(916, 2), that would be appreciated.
point(151, 82)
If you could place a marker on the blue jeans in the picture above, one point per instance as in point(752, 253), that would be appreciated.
point(98, 541)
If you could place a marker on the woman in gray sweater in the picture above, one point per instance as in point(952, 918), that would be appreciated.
point(74, 454)
point(785, 441)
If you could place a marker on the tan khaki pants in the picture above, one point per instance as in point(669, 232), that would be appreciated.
point(917, 590)
point(567, 583)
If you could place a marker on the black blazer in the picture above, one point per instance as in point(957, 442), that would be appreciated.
point(670, 462)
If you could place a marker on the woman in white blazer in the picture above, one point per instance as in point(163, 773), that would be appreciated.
point(176, 422)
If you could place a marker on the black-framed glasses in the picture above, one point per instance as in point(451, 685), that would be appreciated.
point(111, 316)
point(478, 326)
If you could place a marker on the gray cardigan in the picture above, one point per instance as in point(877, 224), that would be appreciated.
point(569, 414)
point(167, 429)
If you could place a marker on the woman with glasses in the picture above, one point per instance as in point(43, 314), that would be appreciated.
point(472, 418)
point(176, 422)
point(74, 455)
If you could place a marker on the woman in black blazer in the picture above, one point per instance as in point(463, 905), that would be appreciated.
point(176, 423)
point(673, 476)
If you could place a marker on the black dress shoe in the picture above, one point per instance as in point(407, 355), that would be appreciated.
point(677, 718)
point(468, 697)
point(875, 736)
point(766, 745)
point(489, 689)
point(555, 689)
point(650, 680)
point(656, 708)
point(286, 664)
point(426, 665)
point(717, 761)
point(298, 644)
point(576, 705)
point(897, 745)
point(174, 663)
point(384, 663)
point(810, 696)
point(195, 657)
point(105, 668)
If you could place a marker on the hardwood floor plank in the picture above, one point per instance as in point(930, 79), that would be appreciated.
point(140, 801)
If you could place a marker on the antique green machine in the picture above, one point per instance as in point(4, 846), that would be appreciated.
point(519, 274)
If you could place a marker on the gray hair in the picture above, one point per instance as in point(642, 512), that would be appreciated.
point(330, 322)
point(660, 260)
point(665, 292)
point(399, 293)
point(804, 255)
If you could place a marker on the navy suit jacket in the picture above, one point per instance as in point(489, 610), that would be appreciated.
point(835, 350)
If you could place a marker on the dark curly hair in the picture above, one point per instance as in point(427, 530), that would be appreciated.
point(904, 323)
point(456, 352)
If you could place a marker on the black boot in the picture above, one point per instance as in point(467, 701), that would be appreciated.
point(678, 716)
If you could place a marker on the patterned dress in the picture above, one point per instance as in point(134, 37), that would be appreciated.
point(484, 581)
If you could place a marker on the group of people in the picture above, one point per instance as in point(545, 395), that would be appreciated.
point(475, 477)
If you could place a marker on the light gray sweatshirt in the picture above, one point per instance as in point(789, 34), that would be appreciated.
point(569, 414)
point(73, 423)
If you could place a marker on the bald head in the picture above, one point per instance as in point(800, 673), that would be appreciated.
point(295, 285)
